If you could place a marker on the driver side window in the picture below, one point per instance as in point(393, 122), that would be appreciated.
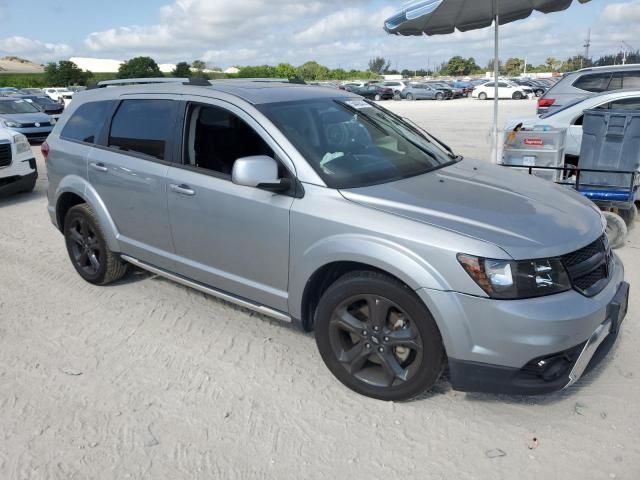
point(215, 138)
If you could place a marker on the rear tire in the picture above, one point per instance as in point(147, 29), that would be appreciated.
point(616, 229)
point(377, 337)
point(88, 249)
point(482, 96)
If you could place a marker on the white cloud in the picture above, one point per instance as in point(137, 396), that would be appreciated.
point(626, 13)
point(34, 49)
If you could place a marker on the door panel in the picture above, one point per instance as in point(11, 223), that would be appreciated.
point(135, 194)
point(231, 237)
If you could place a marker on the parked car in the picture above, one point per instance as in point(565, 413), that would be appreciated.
point(466, 87)
point(23, 117)
point(317, 207)
point(372, 91)
point(44, 104)
point(60, 95)
point(397, 86)
point(448, 90)
point(422, 91)
point(505, 90)
point(18, 172)
point(31, 91)
point(571, 115)
point(588, 81)
point(538, 88)
point(8, 91)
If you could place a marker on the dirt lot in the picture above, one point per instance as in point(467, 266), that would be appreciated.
point(149, 380)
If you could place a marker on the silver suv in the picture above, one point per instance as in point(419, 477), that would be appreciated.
point(589, 81)
point(317, 207)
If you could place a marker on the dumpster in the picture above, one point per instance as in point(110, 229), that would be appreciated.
point(610, 141)
point(541, 147)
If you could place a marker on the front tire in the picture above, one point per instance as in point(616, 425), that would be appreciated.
point(517, 96)
point(439, 96)
point(629, 215)
point(409, 96)
point(616, 229)
point(88, 249)
point(377, 337)
point(378, 97)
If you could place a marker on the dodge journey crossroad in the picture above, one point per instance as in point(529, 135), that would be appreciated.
point(318, 207)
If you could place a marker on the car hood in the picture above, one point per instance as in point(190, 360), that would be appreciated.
point(525, 216)
point(25, 117)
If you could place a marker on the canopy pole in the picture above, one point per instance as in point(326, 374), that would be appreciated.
point(496, 73)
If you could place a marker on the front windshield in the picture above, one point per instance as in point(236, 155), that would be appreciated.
point(16, 106)
point(354, 143)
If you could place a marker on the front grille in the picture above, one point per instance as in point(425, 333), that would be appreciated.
point(5, 154)
point(588, 267)
point(33, 125)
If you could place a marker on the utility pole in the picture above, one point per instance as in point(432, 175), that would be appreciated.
point(587, 45)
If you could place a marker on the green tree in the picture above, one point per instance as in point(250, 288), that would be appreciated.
point(258, 71)
point(575, 63)
point(379, 65)
point(514, 66)
point(139, 67)
point(313, 71)
point(552, 64)
point(458, 66)
point(198, 65)
point(286, 70)
point(66, 73)
point(182, 70)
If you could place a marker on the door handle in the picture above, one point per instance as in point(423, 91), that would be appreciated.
point(99, 167)
point(182, 189)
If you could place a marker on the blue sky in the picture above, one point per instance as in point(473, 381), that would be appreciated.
point(335, 32)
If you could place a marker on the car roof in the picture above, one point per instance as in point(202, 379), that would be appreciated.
point(252, 91)
point(631, 66)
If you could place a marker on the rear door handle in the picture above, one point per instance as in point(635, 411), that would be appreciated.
point(182, 189)
point(99, 167)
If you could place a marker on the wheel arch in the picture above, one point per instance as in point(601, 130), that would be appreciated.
point(325, 263)
point(74, 190)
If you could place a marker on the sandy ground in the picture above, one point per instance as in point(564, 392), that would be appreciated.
point(149, 380)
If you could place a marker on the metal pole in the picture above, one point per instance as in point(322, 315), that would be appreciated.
point(496, 73)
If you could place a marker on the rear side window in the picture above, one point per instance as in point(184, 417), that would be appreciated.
point(86, 122)
point(595, 82)
point(143, 126)
point(631, 80)
point(626, 104)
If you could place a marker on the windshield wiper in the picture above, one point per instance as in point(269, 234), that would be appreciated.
point(440, 142)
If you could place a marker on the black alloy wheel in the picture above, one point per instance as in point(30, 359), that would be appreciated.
point(377, 337)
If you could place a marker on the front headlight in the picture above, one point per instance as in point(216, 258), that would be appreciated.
point(510, 279)
point(53, 120)
point(12, 124)
point(22, 144)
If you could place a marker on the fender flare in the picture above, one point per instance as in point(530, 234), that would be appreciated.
point(79, 186)
point(379, 253)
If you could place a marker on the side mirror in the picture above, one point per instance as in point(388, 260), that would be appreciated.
point(260, 171)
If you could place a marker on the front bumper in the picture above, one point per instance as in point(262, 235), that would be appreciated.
point(496, 346)
point(35, 134)
point(17, 184)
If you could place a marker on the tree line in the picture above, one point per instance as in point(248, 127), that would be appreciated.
point(66, 73)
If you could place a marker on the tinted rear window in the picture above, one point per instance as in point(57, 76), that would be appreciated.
point(594, 82)
point(86, 122)
point(143, 126)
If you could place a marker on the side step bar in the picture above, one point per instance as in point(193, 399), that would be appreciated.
point(209, 291)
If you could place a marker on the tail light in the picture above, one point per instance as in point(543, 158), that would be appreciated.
point(546, 102)
point(44, 148)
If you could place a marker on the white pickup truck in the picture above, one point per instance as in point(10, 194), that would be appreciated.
point(18, 172)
